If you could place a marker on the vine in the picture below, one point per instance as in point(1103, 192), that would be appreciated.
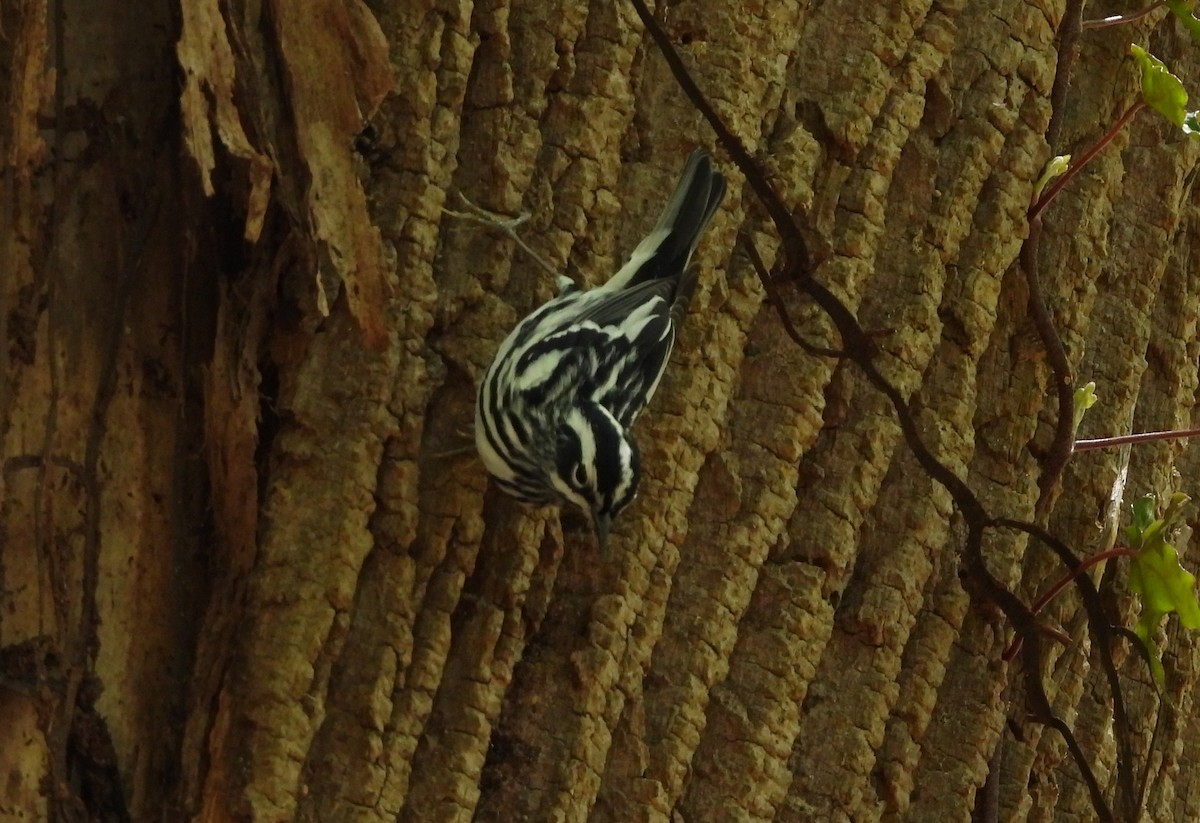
point(1155, 575)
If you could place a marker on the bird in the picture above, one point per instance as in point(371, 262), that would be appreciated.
point(554, 408)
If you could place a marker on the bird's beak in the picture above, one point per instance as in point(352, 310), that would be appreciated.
point(602, 523)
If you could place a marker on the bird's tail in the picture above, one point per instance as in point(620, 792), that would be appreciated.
point(666, 250)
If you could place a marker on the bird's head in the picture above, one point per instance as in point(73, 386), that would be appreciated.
point(596, 465)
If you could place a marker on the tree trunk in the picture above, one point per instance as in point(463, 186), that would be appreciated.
point(251, 569)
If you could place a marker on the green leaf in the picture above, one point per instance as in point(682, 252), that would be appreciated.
point(1182, 9)
point(1161, 90)
point(1143, 517)
point(1055, 167)
point(1085, 395)
point(1165, 587)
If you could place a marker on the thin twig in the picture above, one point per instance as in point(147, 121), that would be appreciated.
point(1062, 583)
point(795, 248)
point(1089, 777)
point(1122, 19)
point(776, 299)
point(1076, 167)
point(506, 225)
point(1144, 779)
point(1068, 51)
point(1142, 437)
point(1102, 637)
point(1060, 449)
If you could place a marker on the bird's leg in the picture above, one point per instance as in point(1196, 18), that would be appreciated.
point(508, 226)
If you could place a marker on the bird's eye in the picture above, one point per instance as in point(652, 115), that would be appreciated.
point(580, 475)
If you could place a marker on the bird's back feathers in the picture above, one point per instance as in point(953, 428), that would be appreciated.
point(605, 347)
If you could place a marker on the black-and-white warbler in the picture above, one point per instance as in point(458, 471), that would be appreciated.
point(554, 409)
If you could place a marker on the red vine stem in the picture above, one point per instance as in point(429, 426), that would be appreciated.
point(1066, 580)
point(1048, 196)
point(1142, 437)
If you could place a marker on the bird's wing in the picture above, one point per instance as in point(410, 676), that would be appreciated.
point(636, 373)
point(638, 333)
point(613, 309)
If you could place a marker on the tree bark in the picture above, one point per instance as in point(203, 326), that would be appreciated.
point(251, 570)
